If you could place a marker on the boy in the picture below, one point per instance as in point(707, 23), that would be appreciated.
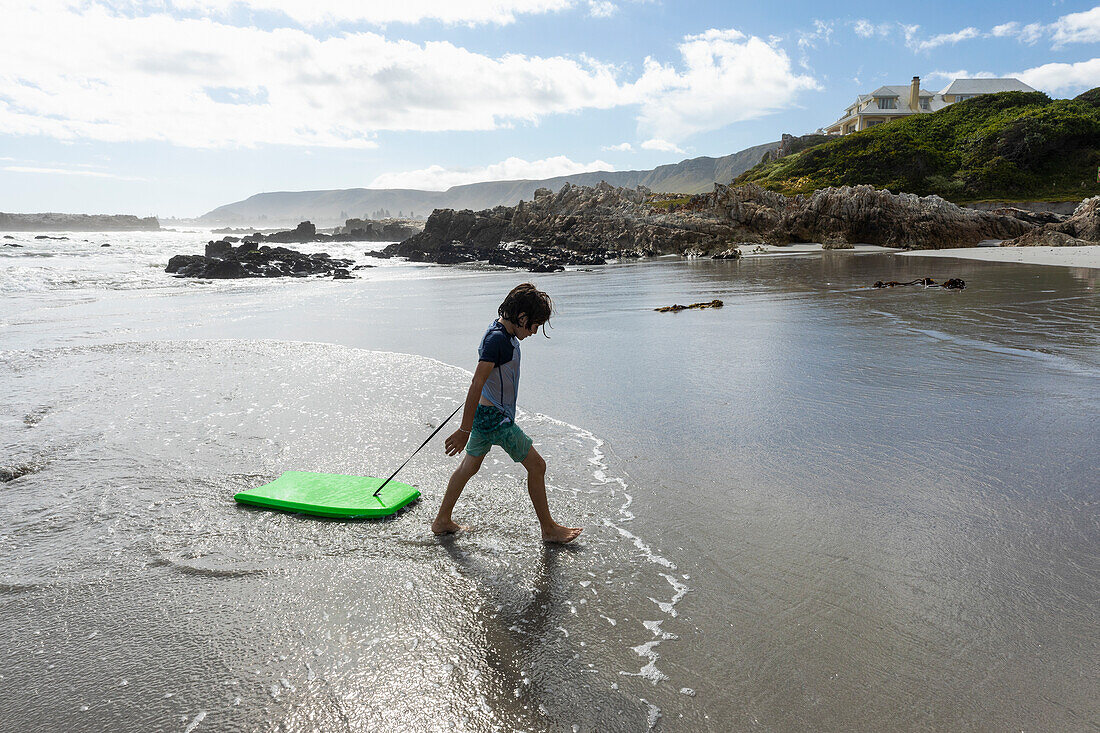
point(489, 417)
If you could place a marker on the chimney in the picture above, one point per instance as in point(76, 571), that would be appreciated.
point(914, 94)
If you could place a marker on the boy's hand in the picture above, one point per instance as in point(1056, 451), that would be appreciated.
point(456, 441)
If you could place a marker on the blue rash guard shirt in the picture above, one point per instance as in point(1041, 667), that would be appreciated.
point(502, 386)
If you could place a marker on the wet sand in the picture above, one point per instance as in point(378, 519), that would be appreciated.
point(824, 507)
point(1088, 256)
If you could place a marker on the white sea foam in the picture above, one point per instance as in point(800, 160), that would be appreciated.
point(195, 722)
point(602, 477)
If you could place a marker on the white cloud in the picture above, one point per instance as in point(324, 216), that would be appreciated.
point(380, 13)
point(943, 38)
point(728, 77)
point(1031, 33)
point(621, 147)
point(375, 12)
point(910, 33)
point(1083, 27)
point(1028, 34)
point(199, 83)
point(438, 178)
point(822, 32)
point(662, 145)
point(66, 172)
point(864, 28)
point(960, 74)
point(1062, 77)
point(1077, 27)
point(601, 8)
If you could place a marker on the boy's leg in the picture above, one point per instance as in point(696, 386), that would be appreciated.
point(465, 471)
point(536, 487)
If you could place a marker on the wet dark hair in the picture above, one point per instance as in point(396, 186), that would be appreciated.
point(526, 298)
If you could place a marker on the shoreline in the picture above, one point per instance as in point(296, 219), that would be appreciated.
point(1086, 256)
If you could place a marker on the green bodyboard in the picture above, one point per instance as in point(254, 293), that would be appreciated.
point(330, 495)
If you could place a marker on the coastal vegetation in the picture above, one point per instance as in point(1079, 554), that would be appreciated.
point(995, 147)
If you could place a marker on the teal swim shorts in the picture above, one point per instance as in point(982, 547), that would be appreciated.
point(489, 431)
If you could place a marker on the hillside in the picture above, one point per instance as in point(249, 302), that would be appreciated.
point(1007, 146)
point(53, 222)
point(326, 208)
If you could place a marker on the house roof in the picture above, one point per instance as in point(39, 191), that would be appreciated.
point(986, 86)
point(901, 90)
point(935, 101)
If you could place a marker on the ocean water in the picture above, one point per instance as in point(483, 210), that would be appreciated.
point(819, 507)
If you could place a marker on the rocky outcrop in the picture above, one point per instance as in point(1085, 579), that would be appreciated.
point(791, 144)
point(1082, 228)
point(222, 260)
point(576, 226)
point(356, 230)
point(76, 223)
point(847, 215)
point(588, 225)
point(371, 230)
point(1038, 218)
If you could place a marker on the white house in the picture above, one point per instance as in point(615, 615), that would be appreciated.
point(891, 102)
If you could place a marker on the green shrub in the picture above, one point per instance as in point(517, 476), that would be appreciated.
point(995, 146)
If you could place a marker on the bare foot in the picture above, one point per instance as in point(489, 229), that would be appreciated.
point(447, 527)
point(560, 535)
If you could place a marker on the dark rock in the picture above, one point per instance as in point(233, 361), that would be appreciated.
point(104, 245)
point(1046, 238)
point(304, 232)
point(370, 230)
point(218, 250)
point(46, 236)
point(1038, 218)
point(224, 269)
point(727, 254)
point(249, 259)
point(954, 283)
point(677, 308)
point(588, 225)
point(1082, 228)
point(851, 214)
point(8, 236)
point(12, 244)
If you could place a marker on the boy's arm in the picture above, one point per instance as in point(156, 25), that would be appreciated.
point(457, 440)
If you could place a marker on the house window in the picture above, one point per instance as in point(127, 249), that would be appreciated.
point(887, 103)
point(962, 97)
point(925, 105)
point(872, 123)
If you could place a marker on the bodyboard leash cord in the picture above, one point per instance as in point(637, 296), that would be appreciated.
point(379, 489)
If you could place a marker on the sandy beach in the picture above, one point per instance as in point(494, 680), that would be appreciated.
point(776, 535)
point(1066, 256)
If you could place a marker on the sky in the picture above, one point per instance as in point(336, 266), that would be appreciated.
point(174, 107)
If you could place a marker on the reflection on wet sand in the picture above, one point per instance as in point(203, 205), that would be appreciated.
point(536, 676)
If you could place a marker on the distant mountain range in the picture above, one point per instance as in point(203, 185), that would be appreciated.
point(328, 208)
